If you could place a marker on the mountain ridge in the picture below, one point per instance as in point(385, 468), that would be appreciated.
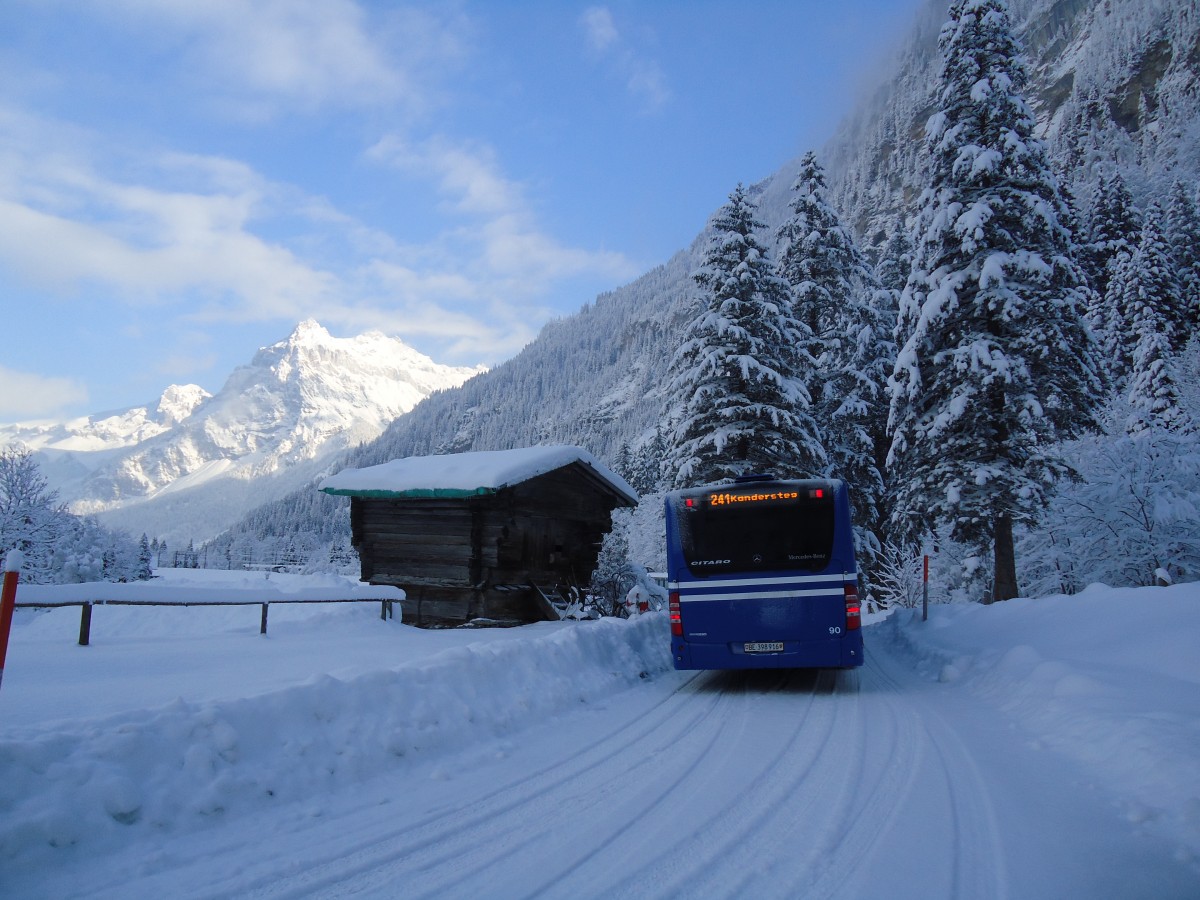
point(273, 425)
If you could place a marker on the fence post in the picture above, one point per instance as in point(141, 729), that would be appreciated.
point(8, 601)
point(262, 628)
point(85, 624)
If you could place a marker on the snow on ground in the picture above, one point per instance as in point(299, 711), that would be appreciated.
point(1043, 747)
point(1108, 679)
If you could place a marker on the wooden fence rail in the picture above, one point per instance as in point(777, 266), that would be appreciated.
point(85, 618)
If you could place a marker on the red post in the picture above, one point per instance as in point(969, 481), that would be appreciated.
point(925, 592)
point(8, 600)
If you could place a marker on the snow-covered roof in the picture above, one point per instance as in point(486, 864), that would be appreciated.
point(457, 475)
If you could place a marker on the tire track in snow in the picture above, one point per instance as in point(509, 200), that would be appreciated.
point(659, 814)
point(829, 800)
point(695, 757)
point(845, 793)
point(701, 854)
point(432, 842)
point(972, 826)
point(593, 790)
point(818, 784)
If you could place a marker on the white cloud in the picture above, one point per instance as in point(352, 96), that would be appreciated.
point(197, 248)
point(305, 53)
point(495, 218)
point(25, 394)
point(599, 28)
point(467, 173)
point(642, 76)
point(210, 240)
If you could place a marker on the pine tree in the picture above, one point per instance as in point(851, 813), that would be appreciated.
point(740, 406)
point(817, 255)
point(1158, 327)
point(1157, 282)
point(895, 262)
point(1153, 385)
point(647, 464)
point(837, 295)
point(623, 463)
point(996, 364)
point(1114, 224)
point(1182, 226)
point(1113, 322)
point(144, 570)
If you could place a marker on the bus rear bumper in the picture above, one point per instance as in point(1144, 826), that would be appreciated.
point(840, 654)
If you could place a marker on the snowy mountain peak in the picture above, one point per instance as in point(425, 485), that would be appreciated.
point(274, 425)
point(179, 401)
point(311, 329)
point(109, 430)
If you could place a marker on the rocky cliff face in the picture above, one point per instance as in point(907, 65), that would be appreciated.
point(1113, 83)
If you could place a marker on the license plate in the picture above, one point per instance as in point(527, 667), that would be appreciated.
point(764, 647)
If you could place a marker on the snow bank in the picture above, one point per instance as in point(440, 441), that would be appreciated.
point(1108, 678)
point(92, 784)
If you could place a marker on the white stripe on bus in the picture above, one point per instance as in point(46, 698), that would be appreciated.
point(761, 595)
point(752, 582)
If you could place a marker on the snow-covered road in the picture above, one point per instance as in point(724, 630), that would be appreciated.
point(794, 784)
point(917, 776)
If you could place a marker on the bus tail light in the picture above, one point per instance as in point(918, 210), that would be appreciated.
point(853, 608)
point(676, 618)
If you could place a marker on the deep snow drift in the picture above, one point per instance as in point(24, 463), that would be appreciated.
point(186, 728)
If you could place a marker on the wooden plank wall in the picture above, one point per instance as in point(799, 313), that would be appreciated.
point(469, 558)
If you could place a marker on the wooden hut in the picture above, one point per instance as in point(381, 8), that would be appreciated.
point(489, 535)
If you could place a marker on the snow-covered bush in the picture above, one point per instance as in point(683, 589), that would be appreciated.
point(58, 547)
point(898, 577)
point(1133, 510)
point(614, 574)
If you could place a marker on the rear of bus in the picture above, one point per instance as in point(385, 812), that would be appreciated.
point(761, 574)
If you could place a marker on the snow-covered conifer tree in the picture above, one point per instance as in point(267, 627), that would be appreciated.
point(837, 295)
point(1113, 227)
point(739, 405)
point(1182, 226)
point(996, 364)
point(145, 560)
point(1158, 328)
point(1153, 389)
point(647, 464)
point(1113, 319)
point(1157, 281)
point(895, 262)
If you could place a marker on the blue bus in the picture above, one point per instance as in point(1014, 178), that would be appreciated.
point(761, 574)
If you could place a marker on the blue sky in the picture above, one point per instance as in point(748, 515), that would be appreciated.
point(182, 182)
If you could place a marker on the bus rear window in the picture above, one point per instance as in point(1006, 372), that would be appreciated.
point(772, 528)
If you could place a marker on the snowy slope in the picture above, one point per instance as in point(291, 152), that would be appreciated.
point(1037, 748)
point(197, 462)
